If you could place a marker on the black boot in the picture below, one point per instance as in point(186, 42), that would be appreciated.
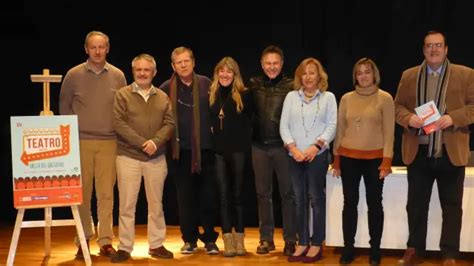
point(347, 256)
point(374, 256)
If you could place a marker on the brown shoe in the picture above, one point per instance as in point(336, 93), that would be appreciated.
point(79, 254)
point(410, 258)
point(107, 250)
point(449, 262)
point(265, 247)
point(119, 256)
point(289, 248)
point(160, 252)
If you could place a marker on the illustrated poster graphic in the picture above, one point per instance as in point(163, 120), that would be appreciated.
point(46, 165)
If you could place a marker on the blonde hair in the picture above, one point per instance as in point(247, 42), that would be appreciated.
point(368, 62)
point(237, 83)
point(180, 50)
point(299, 72)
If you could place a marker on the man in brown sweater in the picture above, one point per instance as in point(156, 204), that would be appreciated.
point(88, 91)
point(144, 123)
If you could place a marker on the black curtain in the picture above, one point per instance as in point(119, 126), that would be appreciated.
point(37, 35)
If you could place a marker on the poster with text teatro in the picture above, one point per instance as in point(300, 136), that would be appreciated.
point(45, 161)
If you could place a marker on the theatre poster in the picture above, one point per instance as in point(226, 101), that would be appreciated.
point(46, 165)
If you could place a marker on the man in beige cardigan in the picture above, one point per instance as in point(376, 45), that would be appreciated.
point(441, 155)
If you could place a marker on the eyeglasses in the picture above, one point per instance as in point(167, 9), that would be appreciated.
point(432, 45)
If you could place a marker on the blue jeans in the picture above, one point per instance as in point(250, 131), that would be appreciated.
point(266, 161)
point(309, 184)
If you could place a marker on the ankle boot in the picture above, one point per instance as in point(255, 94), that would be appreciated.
point(239, 244)
point(347, 256)
point(229, 250)
point(374, 256)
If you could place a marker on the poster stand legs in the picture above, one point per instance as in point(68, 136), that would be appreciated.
point(47, 224)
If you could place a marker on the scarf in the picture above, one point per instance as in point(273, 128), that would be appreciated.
point(195, 124)
point(435, 139)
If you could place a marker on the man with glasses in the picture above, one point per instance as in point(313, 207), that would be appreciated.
point(441, 155)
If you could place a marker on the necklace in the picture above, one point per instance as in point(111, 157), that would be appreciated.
point(185, 104)
point(185, 93)
point(221, 114)
point(309, 95)
point(358, 122)
point(314, 119)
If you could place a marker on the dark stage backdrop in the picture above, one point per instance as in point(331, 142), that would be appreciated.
point(41, 34)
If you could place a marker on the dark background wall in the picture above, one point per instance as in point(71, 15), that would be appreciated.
point(43, 34)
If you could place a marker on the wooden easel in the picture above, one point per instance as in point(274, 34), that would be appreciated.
point(48, 222)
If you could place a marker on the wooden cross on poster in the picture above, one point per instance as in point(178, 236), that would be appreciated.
point(46, 78)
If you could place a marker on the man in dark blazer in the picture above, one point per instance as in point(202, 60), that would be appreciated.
point(441, 155)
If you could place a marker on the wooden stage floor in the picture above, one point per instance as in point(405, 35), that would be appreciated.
point(30, 251)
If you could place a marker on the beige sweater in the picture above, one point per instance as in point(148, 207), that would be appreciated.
point(365, 126)
point(90, 96)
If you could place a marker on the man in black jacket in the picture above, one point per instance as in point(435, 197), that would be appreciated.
point(268, 154)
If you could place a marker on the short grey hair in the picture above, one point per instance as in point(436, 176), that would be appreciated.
point(146, 57)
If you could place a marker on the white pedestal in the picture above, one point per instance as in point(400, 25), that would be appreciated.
point(395, 233)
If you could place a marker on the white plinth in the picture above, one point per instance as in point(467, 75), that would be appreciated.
point(395, 234)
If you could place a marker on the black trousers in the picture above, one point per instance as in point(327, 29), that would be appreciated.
point(197, 197)
point(230, 176)
point(351, 172)
point(450, 180)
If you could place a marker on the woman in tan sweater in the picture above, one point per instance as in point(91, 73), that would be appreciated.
point(364, 147)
